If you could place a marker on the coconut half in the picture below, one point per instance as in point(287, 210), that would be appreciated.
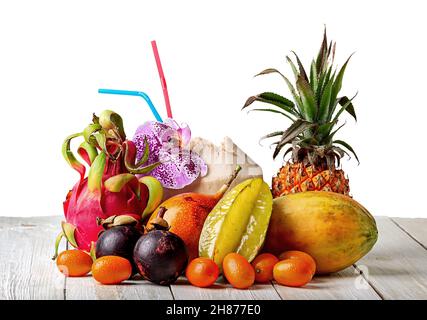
point(221, 161)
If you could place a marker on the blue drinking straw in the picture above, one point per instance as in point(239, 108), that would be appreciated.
point(134, 93)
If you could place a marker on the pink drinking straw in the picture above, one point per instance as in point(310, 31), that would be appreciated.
point(162, 78)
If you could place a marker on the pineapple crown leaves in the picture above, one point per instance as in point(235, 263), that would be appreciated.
point(314, 109)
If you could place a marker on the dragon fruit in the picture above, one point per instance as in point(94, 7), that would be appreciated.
point(168, 144)
point(111, 187)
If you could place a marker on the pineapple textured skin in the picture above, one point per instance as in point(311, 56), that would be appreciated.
point(298, 177)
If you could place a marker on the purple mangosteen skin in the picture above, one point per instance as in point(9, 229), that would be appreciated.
point(161, 256)
point(118, 241)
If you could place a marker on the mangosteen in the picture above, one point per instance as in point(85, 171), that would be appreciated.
point(119, 238)
point(160, 255)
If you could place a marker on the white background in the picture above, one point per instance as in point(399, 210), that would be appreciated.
point(54, 55)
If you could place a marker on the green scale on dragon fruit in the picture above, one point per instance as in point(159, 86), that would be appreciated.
point(111, 186)
point(168, 143)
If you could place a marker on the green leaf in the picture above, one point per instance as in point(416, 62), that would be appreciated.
point(324, 79)
point(145, 155)
point(117, 182)
point(68, 231)
point(308, 99)
point(274, 111)
point(274, 99)
point(268, 71)
point(129, 159)
point(88, 152)
point(329, 49)
point(146, 169)
point(92, 251)
point(117, 120)
point(289, 84)
point(89, 131)
point(337, 129)
point(271, 135)
point(322, 55)
point(324, 129)
point(338, 80)
point(313, 76)
point(95, 118)
point(96, 172)
point(298, 127)
point(334, 46)
point(101, 140)
point(308, 142)
point(110, 120)
point(348, 147)
point(57, 242)
point(350, 108)
point(325, 101)
point(331, 135)
point(344, 107)
point(302, 72)
point(70, 157)
point(277, 98)
point(294, 69)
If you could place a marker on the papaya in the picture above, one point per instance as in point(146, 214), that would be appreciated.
point(333, 228)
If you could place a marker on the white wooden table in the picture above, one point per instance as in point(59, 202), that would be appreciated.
point(395, 269)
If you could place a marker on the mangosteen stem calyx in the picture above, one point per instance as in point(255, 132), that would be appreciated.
point(158, 222)
point(114, 221)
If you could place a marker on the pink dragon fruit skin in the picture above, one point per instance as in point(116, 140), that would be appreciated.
point(111, 187)
point(82, 208)
point(168, 141)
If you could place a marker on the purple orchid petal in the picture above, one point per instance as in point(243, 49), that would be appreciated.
point(167, 141)
point(185, 134)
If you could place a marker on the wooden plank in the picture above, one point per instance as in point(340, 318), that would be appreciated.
point(26, 268)
point(222, 290)
point(415, 227)
point(88, 289)
point(396, 267)
point(344, 285)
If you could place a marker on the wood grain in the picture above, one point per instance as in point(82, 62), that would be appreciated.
point(397, 265)
point(88, 289)
point(26, 268)
point(417, 228)
point(222, 290)
point(345, 285)
point(394, 269)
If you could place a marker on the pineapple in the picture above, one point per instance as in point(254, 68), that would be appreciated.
point(315, 154)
